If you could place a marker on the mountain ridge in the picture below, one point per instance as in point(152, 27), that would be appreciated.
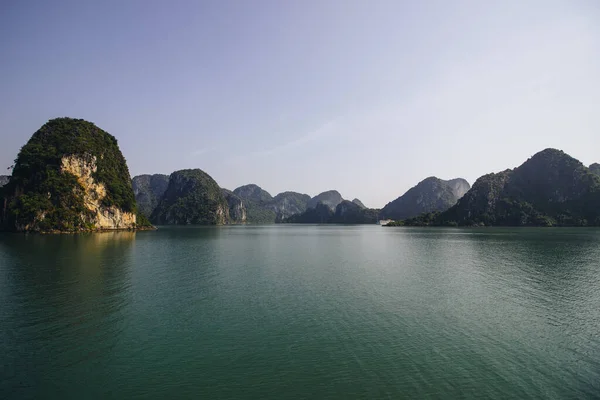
point(551, 188)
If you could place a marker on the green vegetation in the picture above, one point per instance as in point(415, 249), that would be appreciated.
point(142, 221)
point(258, 214)
point(192, 198)
point(39, 188)
point(321, 214)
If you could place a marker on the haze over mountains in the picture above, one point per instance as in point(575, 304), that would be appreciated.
point(568, 186)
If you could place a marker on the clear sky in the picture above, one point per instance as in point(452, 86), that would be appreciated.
point(366, 97)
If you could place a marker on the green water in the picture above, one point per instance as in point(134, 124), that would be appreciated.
point(275, 312)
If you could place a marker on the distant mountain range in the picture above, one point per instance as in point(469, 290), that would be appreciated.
point(550, 189)
point(246, 204)
point(71, 177)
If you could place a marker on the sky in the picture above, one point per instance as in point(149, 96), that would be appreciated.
point(365, 97)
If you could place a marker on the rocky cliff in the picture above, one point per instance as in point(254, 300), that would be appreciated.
point(254, 193)
point(287, 204)
point(258, 204)
point(550, 189)
point(330, 198)
point(237, 207)
point(70, 176)
point(192, 198)
point(148, 189)
point(595, 168)
point(359, 203)
point(4, 180)
point(262, 208)
point(430, 195)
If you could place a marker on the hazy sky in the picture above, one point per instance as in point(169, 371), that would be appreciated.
point(366, 97)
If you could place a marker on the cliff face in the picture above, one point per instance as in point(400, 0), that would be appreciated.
point(595, 168)
point(430, 195)
point(237, 208)
point(459, 187)
point(551, 188)
point(69, 177)
point(262, 208)
point(287, 204)
point(192, 198)
point(359, 203)
point(253, 193)
point(330, 198)
point(148, 189)
point(258, 203)
point(101, 216)
point(4, 180)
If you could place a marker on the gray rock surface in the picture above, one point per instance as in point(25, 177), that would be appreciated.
point(330, 198)
point(148, 189)
point(431, 194)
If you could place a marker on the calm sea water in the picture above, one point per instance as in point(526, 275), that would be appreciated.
point(284, 311)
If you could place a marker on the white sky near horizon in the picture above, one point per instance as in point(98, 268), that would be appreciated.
point(365, 97)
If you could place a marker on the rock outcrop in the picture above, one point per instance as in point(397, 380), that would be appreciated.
point(359, 203)
point(253, 193)
point(103, 217)
point(430, 195)
point(287, 204)
point(192, 198)
point(237, 208)
point(148, 189)
point(4, 180)
point(595, 168)
point(330, 198)
point(258, 204)
point(262, 208)
point(69, 177)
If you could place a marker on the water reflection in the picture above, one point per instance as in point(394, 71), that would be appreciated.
point(65, 292)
